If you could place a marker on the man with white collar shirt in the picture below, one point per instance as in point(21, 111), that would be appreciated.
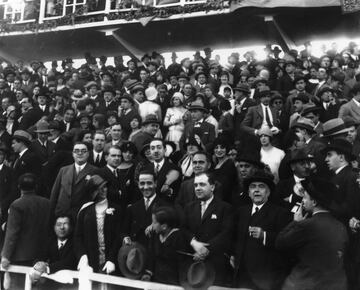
point(97, 155)
point(258, 265)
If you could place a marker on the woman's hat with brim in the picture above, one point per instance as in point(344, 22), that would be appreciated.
point(94, 183)
point(260, 176)
point(132, 260)
point(197, 275)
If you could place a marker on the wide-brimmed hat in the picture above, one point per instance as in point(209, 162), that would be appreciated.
point(334, 127)
point(91, 84)
point(305, 123)
point(196, 105)
point(94, 183)
point(260, 176)
point(132, 260)
point(299, 155)
point(197, 275)
point(151, 94)
point(23, 136)
point(323, 191)
point(128, 97)
point(151, 119)
point(310, 108)
point(42, 126)
point(340, 145)
point(57, 125)
point(242, 88)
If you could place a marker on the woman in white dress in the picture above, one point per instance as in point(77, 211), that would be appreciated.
point(174, 119)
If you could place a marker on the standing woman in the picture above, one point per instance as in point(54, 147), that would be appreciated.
point(98, 225)
point(174, 119)
point(225, 171)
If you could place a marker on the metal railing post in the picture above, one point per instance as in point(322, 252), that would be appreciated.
point(42, 11)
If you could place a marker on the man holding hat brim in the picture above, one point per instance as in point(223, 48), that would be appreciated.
point(319, 242)
point(258, 265)
point(97, 249)
point(268, 116)
point(199, 126)
point(351, 109)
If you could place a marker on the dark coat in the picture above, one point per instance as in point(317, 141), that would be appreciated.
point(125, 120)
point(214, 228)
point(319, 244)
point(240, 116)
point(29, 118)
point(42, 153)
point(285, 84)
point(61, 259)
point(5, 191)
point(5, 138)
point(206, 132)
point(262, 263)
point(100, 164)
point(86, 235)
point(285, 189)
point(27, 229)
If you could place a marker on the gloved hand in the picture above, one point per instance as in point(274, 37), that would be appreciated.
point(41, 267)
point(83, 262)
point(109, 267)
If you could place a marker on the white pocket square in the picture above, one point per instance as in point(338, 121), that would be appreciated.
point(213, 217)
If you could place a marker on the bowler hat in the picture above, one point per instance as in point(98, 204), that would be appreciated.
point(22, 136)
point(321, 190)
point(242, 88)
point(127, 97)
point(197, 275)
point(260, 176)
point(132, 260)
point(340, 145)
point(304, 123)
point(299, 155)
point(42, 126)
point(334, 127)
point(150, 119)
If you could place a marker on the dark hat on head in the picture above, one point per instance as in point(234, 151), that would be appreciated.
point(302, 97)
point(310, 108)
point(91, 84)
point(94, 183)
point(132, 260)
point(197, 275)
point(183, 75)
point(151, 119)
point(340, 145)
point(57, 125)
point(260, 176)
point(264, 92)
point(299, 78)
point(135, 85)
point(42, 126)
point(304, 123)
point(260, 80)
point(196, 105)
point(27, 181)
point(299, 155)
point(242, 88)
point(321, 190)
point(22, 136)
point(334, 127)
point(128, 97)
point(349, 122)
point(109, 89)
point(325, 89)
point(129, 146)
point(250, 156)
point(275, 95)
point(9, 71)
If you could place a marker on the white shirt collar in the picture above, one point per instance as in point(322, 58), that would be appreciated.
point(298, 179)
point(161, 163)
point(253, 210)
point(1, 166)
point(22, 152)
point(56, 139)
point(339, 169)
point(356, 102)
point(111, 168)
point(79, 167)
point(151, 199)
point(207, 202)
point(61, 243)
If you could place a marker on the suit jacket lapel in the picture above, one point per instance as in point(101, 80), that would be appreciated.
point(209, 210)
point(82, 173)
point(260, 111)
point(260, 215)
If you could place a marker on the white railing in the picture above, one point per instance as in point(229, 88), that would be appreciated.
point(86, 281)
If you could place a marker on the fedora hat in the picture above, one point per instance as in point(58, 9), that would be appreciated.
point(260, 176)
point(323, 191)
point(250, 156)
point(22, 136)
point(340, 145)
point(242, 88)
point(127, 97)
point(310, 108)
point(299, 155)
point(325, 89)
point(91, 84)
point(42, 126)
point(57, 125)
point(150, 119)
point(183, 75)
point(132, 260)
point(197, 105)
point(197, 275)
point(334, 127)
point(306, 124)
point(264, 92)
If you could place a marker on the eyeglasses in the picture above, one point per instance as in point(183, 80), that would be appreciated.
point(80, 151)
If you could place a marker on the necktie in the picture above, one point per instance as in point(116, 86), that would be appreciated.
point(77, 170)
point(203, 208)
point(256, 209)
point(61, 245)
point(115, 173)
point(147, 203)
point(157, 168)
point(267, 117)
point(16, 162)
point(97, 161)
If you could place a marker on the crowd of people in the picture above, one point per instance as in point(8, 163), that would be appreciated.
point(193, 174)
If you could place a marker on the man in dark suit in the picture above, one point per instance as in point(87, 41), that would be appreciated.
point(285, 84)
point(97, 154)
point(242, 105)
point(207, 224)
point(138, 220)
point(261, 115)
point(97, 228)
point(5, 183)
point(68, 193)
point(128, 113)
point(30, 114)
point(168, 176)
point(107, 103)
point(328, 109)
point(258, 265)
point(42, 103)
point(201, 163)
point(27, 225)
point(351, 109)
point(319, 242)
point(42, 147)
point(198, 126)
point(5, 137)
